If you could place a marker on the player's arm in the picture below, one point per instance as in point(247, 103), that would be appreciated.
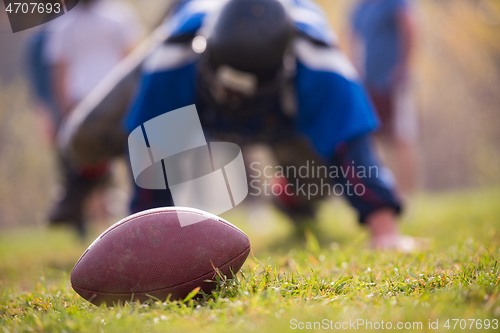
point(355, 49)
point(57, 56)
point(370, 188)
point(372, 185)
point(407, 32)
point(59, 83)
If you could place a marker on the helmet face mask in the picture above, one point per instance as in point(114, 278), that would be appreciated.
point(245, 50)
point(237, 81)
point(234, 89)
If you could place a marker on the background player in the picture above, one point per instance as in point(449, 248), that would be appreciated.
point(383, 46)
point(76, 52)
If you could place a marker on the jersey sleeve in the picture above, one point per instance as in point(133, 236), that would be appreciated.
point(333, 106)
point(167, 83)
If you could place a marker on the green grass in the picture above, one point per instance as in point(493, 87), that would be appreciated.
point(335, 277)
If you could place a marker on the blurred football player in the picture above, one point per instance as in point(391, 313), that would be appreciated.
point(268, 71)
point(81, 48)
point(383, 46)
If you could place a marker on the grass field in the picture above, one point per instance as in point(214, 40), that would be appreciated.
point(334, 280)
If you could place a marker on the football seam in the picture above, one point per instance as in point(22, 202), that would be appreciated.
point(172, 286)
point(183, 211)
point(155, 213)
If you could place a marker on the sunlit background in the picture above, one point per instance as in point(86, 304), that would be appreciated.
point(457, 81)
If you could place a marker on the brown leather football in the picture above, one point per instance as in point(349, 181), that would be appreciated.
point(158, 254)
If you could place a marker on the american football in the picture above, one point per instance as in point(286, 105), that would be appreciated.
point(162, 253)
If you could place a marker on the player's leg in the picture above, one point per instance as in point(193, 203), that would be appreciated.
point(405, 136)
point(144, 199)
point(297, 159)
point(78, 184)
point(397, 133)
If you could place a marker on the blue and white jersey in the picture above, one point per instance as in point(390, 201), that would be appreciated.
point(332, 106)
point(307, 16)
